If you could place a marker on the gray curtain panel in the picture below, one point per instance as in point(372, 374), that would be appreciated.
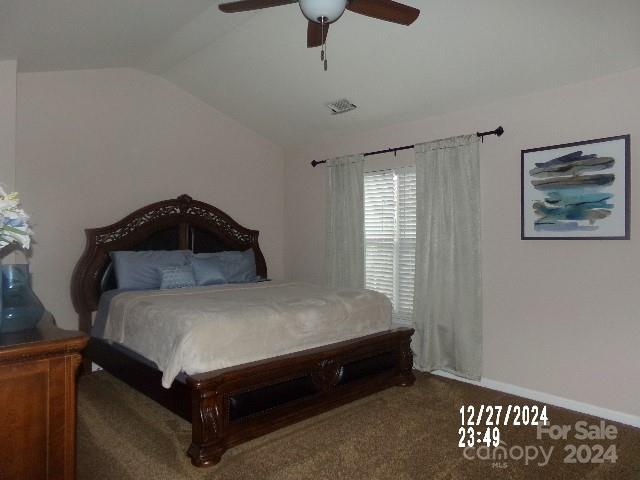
point(345, 222)
point(447, 310)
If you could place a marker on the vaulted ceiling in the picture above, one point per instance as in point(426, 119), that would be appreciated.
point(255, 67)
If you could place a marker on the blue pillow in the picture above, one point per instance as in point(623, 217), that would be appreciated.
point(139, 270)
point(176, 277)
point(237, 267)
point(207, 271)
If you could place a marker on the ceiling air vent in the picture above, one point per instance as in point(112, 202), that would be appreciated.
point(341, 106)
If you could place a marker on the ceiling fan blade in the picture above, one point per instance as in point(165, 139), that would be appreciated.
point(246, 5)
point(316, 36)
point(386, 10)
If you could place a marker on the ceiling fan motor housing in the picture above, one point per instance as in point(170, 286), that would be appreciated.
point(323, 11)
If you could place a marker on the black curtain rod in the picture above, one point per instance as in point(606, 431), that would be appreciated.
point(498, 132)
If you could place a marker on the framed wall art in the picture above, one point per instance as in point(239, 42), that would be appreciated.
point(577, 191)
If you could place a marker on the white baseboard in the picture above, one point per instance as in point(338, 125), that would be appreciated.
point(613, 415)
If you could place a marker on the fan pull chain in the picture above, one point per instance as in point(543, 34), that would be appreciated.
point(322, 39)
point(322, 46)
point(325, 56)
point(323, 50)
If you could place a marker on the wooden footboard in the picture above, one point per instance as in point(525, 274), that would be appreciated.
point(233, 405)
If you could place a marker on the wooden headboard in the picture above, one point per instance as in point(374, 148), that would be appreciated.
point(177, 224)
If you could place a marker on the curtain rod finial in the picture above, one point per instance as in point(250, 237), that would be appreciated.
point(499, 131)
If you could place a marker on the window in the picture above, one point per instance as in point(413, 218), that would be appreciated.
point(390, 236)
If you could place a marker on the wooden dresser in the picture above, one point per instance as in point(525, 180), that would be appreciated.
point(38, 402)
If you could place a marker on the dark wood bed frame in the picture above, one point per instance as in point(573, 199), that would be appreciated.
point(232, 405)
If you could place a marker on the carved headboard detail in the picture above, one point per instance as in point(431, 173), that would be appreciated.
point(177, 224)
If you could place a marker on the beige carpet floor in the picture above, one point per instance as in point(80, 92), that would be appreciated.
point(400, 434)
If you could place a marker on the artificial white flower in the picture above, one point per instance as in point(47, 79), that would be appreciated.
point(14, 222)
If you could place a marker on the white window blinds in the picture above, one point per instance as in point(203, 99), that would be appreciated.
point(390, 236)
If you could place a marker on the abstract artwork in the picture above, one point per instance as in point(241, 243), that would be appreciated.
point(577, 190)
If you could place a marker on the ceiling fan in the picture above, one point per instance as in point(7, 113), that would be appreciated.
point(321, 13)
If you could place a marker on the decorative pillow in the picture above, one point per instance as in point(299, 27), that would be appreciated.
point(207, 271)
point(237, 267)
point(176, 277)
point(139, 270)
point(240, 267)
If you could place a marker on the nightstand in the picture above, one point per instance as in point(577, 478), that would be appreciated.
point(38, 402)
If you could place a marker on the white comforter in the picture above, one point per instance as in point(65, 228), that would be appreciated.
point(206, 328)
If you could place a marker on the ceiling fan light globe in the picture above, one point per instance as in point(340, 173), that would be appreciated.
point(316, 10)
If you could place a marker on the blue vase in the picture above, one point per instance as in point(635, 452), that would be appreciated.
point(21, 308)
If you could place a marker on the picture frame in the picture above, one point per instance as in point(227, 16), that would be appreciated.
point(577, 191)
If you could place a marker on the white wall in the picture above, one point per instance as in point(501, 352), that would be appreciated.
point(93, 145)
point(8, 75)
point(560, 317)
point(7, 122)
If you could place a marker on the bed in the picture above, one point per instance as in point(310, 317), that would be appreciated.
point(230, 405)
